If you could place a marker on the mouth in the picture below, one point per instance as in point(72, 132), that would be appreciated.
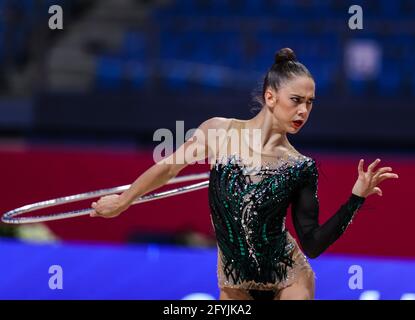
point(298, 123)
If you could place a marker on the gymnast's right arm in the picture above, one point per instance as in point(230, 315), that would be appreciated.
point(161, 172)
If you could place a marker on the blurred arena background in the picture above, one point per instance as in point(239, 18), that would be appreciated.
point(79, 107)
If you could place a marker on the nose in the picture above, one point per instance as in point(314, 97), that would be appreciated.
point(303, 109)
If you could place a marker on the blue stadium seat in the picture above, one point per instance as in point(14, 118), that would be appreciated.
point(109, 72)
point(213, 77)
point(194, 38)
point(255, 7)
point(232, 51)
point(323, 75)
point(390, 79)
point(169, 45)
point(177, 75)
point(390, 7)
point(181, 7)
point(322, 7)
point(199, 47)
point(138, 74)
point(134, 45)
point(358, 87)
point(28, 5)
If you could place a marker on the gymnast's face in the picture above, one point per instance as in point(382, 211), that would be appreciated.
point(292, 103)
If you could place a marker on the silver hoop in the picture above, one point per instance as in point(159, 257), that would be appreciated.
point(11, 217)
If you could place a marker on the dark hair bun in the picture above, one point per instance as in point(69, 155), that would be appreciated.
point(285, 55)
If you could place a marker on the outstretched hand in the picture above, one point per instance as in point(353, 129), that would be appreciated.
point(367, 182)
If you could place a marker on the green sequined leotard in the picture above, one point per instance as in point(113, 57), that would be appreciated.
point(255, 251)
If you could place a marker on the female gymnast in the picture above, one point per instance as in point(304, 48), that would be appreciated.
point(257, 257)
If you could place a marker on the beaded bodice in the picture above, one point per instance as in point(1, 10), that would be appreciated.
point(248, 209)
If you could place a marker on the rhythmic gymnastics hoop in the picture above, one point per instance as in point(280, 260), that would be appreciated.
point(12, 216)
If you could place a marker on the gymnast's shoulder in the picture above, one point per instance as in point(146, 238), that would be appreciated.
point(215, 123)
point(308, 160)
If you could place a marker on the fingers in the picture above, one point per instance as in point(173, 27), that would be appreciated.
point(373, 165)
point(381, 171)
point(360, 166)
point(378, 191)
point(105, 207)
point(385, 176)
point(94, 213)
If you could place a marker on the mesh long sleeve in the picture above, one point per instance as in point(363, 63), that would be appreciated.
point(315, 238)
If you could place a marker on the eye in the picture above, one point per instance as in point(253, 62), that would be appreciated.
point(295, 99)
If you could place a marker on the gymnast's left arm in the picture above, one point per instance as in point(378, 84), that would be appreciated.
point(315, 238)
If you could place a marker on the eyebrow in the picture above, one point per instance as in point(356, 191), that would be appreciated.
point(302, 97)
